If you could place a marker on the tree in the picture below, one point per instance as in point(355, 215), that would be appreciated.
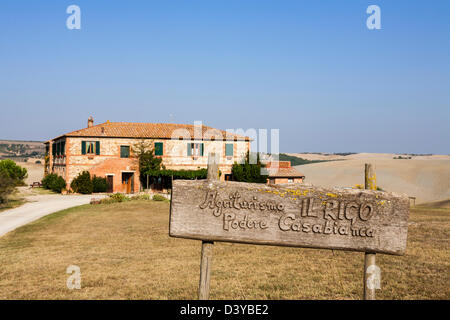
point(249, 172)
point(7, 186)
point(16, 173)
point(148, 162)
point(11, 176)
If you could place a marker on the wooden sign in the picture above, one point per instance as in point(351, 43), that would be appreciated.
point(290, 215)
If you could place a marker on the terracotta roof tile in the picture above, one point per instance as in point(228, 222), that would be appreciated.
point(284, 172)
point(151, 130)
point(281, 164)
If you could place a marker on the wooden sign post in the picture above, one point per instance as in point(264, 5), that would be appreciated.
point(370, 183)
point(207, 246)
point(287, 215)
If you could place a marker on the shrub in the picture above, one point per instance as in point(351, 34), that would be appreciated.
point(47, 181)
point(83, 183)
point(58, 184)
point(115, 197)
point(54, 182)
point(158, 197)
point(99, 184)
point(119, 197)
point(141, 197)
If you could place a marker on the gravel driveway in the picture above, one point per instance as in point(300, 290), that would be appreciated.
point(37, 207)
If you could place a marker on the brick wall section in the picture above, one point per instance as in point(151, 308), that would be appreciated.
point(285, 180)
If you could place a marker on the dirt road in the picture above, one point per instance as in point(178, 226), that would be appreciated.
point(37, 207)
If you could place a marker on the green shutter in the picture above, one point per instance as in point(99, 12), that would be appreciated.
point(97, 147)
point(189, 149)
point(83, 147)
point(201, 150)
point(229, 149)
point(53, 149)
point(63, 147)
point(158, 148)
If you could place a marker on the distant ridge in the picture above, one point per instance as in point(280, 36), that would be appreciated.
point(21, 149)
point(32, 141)
point(437, 204)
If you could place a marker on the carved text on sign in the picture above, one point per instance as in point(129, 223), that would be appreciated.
point(300, 216)
point(333, 211)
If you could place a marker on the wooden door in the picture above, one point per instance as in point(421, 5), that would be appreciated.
point(127, 182)
point(110, 180)
point(129, 185)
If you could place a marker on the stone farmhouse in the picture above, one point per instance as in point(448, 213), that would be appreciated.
point(106, 150)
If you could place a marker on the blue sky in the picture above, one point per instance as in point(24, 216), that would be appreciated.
point(309, 68)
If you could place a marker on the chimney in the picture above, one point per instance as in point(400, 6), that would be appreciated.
point(90, 122)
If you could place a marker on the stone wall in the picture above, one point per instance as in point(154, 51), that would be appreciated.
point(175, 157)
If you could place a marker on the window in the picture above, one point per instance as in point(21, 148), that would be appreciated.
point(195, 149)
point(124, 151)
point(229, 149)
point(290, 180)
point(159, 148)
point(62, 148)
point(59, 148)
point(90, 147)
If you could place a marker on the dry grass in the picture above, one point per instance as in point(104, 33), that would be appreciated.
point(16, 199)
point(124, 252)
point(12, 203)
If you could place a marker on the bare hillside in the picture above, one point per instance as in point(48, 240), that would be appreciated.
point(366, 156)
point(427, 179)
point(21, 149)
point(35, 171)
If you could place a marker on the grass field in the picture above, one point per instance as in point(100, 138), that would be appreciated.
point(124, 252)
